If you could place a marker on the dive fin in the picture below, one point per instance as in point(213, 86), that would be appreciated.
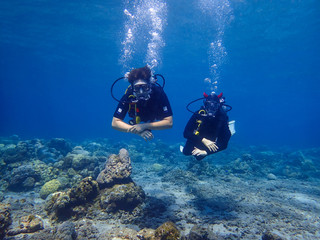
point(232, 127)
point(181, 148)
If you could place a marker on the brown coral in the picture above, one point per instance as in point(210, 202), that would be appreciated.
point(122, 197)
point(5, 219)
point(167, 231)
point(118, 169)
point(27, 224)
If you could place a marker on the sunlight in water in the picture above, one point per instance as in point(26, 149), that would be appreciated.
point(143, 32)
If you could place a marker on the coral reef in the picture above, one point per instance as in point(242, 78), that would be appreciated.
point(117, 170)
point(114, 197)
point(199, 233)
point(27, 224)
point(86, 191)
point(120, 233)
point(249, 192)
point(167, 231)
point(5, 219)
point(122, 197)
point(60, 145)
point(120, 192)
point(146, 234)
point(271, 236)
point(58, 205)
point(16, 153)
point(64, 231)
point(49, 187)
point(63, 205)
point(23, 178)
point(78, 158)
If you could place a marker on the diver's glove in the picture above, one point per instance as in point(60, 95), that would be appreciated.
point(212, 146)
point(198, 152)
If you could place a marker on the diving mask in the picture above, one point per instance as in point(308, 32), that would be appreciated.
point(211, 105)
point(141, 89)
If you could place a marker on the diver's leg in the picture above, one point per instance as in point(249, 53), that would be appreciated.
point(188, 148)
point(200, 157)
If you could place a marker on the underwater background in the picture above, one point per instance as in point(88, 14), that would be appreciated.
point(66, 174)
point(60, 58)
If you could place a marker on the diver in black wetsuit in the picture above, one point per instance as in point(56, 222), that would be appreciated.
point(146, 103)
point(207, 131)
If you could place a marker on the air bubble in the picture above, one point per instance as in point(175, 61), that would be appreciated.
point(144, 29)
point(219, 14)
point(207, 80)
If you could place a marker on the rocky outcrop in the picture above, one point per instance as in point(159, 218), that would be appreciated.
point(199, 233)
point(63, 205)
point(66, 231)
point(49, 187)
point(60, 145)
point(119, 191)
point(167, 231)
point(122, 197)
point(117, 170)
point(16, 153)
point(27, 224)
point(86, 191)
point(5, 219)
point(146, 234)
point(271, 236)
point(23, 178)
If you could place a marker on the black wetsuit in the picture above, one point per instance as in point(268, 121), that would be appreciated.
point(157, 107)
point(215, 129)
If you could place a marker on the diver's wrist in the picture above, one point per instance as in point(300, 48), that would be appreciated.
point(146, 126)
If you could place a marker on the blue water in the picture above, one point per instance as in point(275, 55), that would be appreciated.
point(58, 60)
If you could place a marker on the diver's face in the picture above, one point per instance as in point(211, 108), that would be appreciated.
point(211, 107)
point(141, 89)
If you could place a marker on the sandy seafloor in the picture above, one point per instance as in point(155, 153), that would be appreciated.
point(240, 193)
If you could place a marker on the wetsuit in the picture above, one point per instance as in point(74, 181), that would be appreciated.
point(157, 107)
point(215, 129)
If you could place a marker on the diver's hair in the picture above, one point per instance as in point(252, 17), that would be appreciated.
point(143, 73)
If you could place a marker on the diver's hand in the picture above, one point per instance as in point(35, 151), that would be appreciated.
point(136, 129)
point(146, 135)
point(198, 152)
point(209, 144)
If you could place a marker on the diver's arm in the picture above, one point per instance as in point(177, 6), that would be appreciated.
point(165, 123)
point(120, 125)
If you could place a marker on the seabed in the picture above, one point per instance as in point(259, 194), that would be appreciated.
point(250, 192)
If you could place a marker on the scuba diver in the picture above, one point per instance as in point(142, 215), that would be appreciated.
point(208, 130)
point(145, 102)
